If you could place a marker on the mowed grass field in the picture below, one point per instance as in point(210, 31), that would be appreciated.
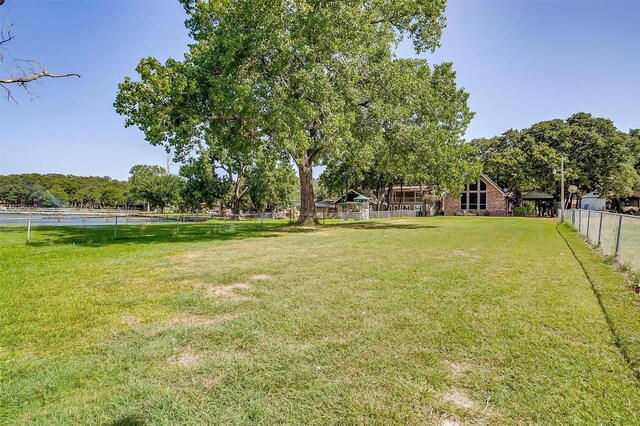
point(409, 321)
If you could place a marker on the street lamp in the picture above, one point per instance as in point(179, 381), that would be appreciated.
point(561, 187)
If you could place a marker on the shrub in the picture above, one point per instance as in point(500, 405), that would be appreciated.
point(520, 211)
point(487, 213)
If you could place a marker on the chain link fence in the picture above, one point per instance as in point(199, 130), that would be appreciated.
point(613, 234)
point(21, 227)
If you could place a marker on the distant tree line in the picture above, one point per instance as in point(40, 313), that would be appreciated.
point(58, 190)
point(260, 183)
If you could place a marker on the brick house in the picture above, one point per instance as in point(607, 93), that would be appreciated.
point(479, 197)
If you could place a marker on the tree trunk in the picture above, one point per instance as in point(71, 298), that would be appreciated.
point(307, 198)
point(401, 195)
point(389, 190)
point(238, 193)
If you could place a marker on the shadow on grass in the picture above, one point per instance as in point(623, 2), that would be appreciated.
point(127, 421)
point(383, 225)
point(95, 236)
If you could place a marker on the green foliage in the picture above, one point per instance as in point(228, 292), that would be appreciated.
point(598, 157)
point(272, 182)
point(318, 81)
point(201, 183)
point(56, 190)
point(154, 185)
point(519, 211)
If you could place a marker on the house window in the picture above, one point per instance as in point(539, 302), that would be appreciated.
point(473, 200)
point(474, 196)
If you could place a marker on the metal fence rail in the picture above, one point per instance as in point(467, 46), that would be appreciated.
point(49, 226)
point(613, 234)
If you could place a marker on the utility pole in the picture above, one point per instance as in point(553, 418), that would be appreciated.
point(562, 189)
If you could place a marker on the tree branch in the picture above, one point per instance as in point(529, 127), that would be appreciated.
point(28, 78)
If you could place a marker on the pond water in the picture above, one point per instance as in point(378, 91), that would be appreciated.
point(47, 219)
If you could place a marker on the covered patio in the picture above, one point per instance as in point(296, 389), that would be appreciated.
point(544, 203)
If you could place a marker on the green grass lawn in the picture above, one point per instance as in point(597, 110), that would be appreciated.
point(408, 321)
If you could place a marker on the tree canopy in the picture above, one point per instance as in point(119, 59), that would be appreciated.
point(598, 157)
point(57, 190)
point(154, 185)
point(305, 77)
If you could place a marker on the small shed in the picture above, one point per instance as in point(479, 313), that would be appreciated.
point(592, 201)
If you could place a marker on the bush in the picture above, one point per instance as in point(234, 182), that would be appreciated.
point(487, 213)
point(520, 211)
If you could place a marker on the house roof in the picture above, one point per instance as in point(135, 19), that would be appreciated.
point(492, 183)
point(537, 195)
point(409, 188)
point(592, 194)
point(425, 188)
point(358, 197)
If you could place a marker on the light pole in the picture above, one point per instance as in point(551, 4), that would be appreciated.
point(562, 189)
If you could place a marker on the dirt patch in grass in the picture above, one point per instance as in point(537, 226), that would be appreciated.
point(228, 291)
point(130, 320)
point(260, 277)
point(456, 370)
point(321, 234)
point(210, 381)
point(460, 399)
point(199, 320)
point(188, 255)
point(464, 254)
point(185, 358)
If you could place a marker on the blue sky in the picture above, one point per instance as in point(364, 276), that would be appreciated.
point(521, 61)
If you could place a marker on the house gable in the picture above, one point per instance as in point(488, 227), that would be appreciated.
point(483, 197)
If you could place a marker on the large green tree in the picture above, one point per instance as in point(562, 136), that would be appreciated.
point(598, 157)
point(300, 75)
point(415, 137)
point(154, 185)
point(201, 183)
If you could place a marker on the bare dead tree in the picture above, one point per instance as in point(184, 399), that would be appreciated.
point(20, 72)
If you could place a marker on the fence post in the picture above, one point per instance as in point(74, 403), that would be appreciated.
point(115, 229)
point(588, 222)
point(29, 229)
point(600, 229)
point(618, 239)
point(580, 221)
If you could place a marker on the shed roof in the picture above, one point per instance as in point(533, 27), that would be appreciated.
point(537, 195)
